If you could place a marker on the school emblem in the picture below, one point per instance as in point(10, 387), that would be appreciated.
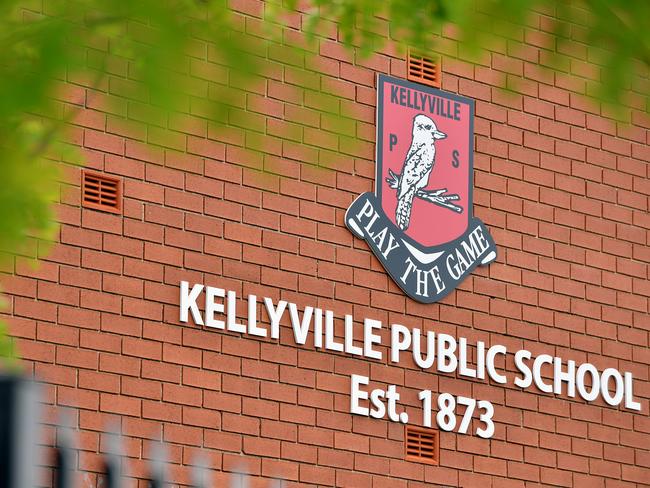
point(419, 222)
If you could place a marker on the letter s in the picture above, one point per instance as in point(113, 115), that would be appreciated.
point(455, 162)
point(527, 376)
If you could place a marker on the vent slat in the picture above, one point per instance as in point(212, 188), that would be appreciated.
point(421, 445)
point(101, 192)
point(423, 69)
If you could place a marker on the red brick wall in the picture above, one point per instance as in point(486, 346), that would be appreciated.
point(563, 188)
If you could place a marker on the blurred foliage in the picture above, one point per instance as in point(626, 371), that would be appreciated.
point(44, 44)
point(49, 46)
point(612, 34)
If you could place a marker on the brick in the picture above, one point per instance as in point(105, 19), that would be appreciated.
point(104, 142)
point(257, 205)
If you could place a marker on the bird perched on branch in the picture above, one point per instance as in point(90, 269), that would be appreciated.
point(417, 167)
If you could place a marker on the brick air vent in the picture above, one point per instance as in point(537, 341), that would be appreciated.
point(101, 192)
point(422, 68)
point(422, 445)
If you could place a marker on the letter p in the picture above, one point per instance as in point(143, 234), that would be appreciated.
point(400, 340)
point(392, 140)
point(366, 210)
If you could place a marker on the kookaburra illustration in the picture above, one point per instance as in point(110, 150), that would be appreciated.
point(417, 167)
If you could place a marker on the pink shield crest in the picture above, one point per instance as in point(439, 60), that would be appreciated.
point(403, 115)
point(419, 221)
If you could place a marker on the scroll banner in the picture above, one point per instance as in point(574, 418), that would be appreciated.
point(426, 276)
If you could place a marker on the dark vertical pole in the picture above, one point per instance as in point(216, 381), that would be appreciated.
point(239, 479)
point(200, 474)
point(6, 421)
point(157, 466)
point(112, 470)
point(112, 465)
point(64, 459)
point(19, 417)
